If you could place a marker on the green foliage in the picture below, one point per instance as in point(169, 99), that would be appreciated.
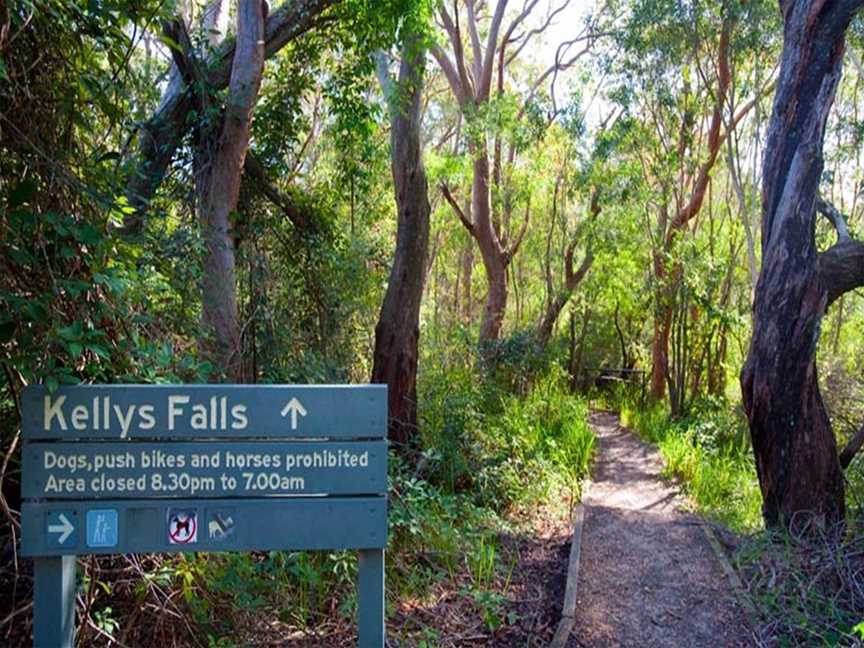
point(509, 450)
point(709, 453)
point(500, 430)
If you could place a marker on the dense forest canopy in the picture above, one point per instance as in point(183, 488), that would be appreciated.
point(637, 200)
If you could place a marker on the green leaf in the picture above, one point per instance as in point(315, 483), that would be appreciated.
point(71, 332)
point(37, 311)
point(88, 234)
point(99, 351)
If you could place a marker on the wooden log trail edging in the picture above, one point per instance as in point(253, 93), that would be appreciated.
point(742, 597)
point(568, 609)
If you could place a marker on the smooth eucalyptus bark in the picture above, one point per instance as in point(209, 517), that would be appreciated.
point(163, 132)
point(398, 330)
point(494, 257)
point(470, 79)
point(219, 174)
point(794, 445)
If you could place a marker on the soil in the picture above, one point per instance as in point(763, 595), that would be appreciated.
point(648, 575)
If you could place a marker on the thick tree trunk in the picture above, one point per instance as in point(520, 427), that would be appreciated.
point(795, 449)
point(398, 329)
point(219, 189)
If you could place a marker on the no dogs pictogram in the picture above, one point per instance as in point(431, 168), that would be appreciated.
point(182, 526)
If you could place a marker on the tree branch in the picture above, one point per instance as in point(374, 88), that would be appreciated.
point(571, 277)
point(558, 66)
point(445, 190)
point(514, 248)
point(484, 83)
point(182, 51)
point(450, 74)
point(841, 268)
point(852, 448)
point(524, 39)
point(527, 8)
point(452, 29)
point(476, 49)
point(830, 212)
point(700, 185)
point(382, 71)
point(255, 172)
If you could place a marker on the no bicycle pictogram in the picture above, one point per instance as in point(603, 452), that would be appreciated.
point(182, 526)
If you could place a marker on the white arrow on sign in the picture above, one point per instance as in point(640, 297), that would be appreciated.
point(65, 528)
point(295, 407)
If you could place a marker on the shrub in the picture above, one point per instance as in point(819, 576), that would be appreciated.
point(508, 450)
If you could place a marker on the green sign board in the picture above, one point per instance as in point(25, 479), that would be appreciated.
point(170, 468)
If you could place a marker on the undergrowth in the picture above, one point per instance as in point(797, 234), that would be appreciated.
point(808, 586)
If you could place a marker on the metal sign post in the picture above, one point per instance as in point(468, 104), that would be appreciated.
point(110, 469)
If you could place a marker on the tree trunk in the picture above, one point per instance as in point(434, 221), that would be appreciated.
point(683, 215)
point(625, 360)
point(398, 329)
point(795, 449)
point(716, 370)
point(494, 258)
point(572, 278)
point(467, 280)
point(219, 189)
point(662, 328)
point(576, 370)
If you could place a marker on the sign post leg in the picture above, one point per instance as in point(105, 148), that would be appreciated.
point(370, 599)
point(54, 602)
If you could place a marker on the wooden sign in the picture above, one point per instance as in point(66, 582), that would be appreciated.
point(171, 468)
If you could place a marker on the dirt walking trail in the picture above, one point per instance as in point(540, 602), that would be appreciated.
point(648, 575)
